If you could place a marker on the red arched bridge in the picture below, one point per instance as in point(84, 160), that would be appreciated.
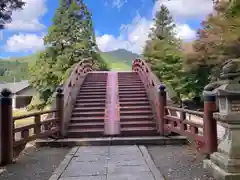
point(98, 104)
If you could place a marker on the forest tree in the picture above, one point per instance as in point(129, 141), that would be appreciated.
point(70, 39)
point(6, 9)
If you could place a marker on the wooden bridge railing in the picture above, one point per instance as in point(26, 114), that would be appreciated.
point(71, 88)
point(151, 83)
point(171, 119)
point(14, 139)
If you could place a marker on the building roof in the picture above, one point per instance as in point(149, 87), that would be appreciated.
point(15, 87)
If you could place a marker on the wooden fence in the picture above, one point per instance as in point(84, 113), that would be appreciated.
point(14, 139)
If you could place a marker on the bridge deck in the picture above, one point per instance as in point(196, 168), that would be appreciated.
point(108, 162)
point(112, 116)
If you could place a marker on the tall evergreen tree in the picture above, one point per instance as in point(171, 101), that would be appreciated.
point(164, 25)
point(70, 39)
point(163, 53)
point(6, 9)
point(162, 41)
point(161, 50)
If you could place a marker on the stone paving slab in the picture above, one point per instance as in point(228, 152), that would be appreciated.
point(107, 163)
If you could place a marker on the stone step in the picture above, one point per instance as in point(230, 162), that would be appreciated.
point(122, 83)
point(134, 89)
point(90, 104)
point(135, 99)
point(86, 109)
point(94, 83)
point(95, 80)
point(136, 118)
point(86, 125)
point(92, 91)
point(79, 97)
point(82, 133)
point(135, 112)
point(92, 94)
point(138, 124)
point(94, 87)
point(139, 131)
point(87, 119)
point(88, 114)
point(135, 95)
point(132, 103)
point(102, 100)
point(131, 86)
point(134, 108)
point(127, 92)
point(101, 141)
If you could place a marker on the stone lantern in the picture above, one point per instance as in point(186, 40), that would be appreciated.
point(225, 163)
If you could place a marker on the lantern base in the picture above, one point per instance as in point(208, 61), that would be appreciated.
point(219, 173)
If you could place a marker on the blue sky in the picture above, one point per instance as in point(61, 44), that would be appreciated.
point(117, 23)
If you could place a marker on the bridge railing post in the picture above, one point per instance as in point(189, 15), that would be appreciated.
point(6, 127)
point(60, 111)
point(162, 104)
point(210, 124)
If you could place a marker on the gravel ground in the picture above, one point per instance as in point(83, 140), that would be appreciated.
point(34, 164)
point(178, 163)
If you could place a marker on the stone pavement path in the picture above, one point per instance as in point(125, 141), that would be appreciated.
point(107, 163)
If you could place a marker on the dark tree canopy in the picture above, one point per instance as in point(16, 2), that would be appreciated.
point(70, 39)
point(6, 9)
point(163, 53)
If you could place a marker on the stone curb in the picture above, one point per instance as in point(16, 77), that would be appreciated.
point(106, 141)
point(63, 165)
point(156, 173)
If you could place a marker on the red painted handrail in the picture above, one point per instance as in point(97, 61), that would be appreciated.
point(173, 120)
point(72, 86)
point(151, 83)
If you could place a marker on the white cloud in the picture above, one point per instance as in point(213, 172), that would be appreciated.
point(24, 42)
point(133, 36)
point(115, 3)
point(27, 19)
point(185, 9)
point(119, 3)
point(183, 31)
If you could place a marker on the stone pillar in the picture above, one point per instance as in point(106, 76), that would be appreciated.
point(225, 163)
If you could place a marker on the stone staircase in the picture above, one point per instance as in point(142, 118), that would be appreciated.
point(89, 110)
point(136, 117)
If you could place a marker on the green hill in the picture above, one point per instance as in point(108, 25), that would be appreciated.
point(16, 69)
point(13, 70)
point(115, 64)
point(123, 55)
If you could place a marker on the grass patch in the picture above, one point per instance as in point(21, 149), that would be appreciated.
point(119, 67)
point(25, 121)
point(116, 64)
point(22, 122)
